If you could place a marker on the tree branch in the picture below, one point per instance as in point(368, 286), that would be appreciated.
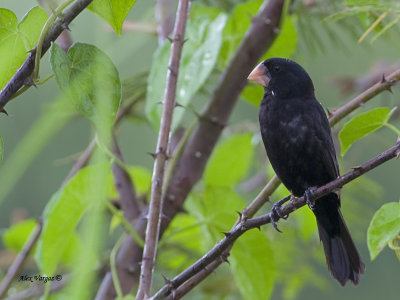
point(247, 224)
point(126, 191)
point(19, 260)
point(154, 216)
point(384, 85)
point(25, 71)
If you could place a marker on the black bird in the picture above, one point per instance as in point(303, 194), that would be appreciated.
point(298, 141)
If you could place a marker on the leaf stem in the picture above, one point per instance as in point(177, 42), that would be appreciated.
point(113, 267)
point(42, 36)
point(393, 128)
point(126, 224)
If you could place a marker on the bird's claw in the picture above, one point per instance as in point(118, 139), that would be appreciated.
point(276, 212)
point(308, 194)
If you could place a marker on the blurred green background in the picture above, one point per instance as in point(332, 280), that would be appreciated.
point(132, 54)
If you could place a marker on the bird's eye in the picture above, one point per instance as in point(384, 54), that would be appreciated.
point(276, 68)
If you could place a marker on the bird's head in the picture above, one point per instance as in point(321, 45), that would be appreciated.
point(283, 78)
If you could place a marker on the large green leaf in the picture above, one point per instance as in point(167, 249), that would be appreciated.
point(113, 12)
point(252, 259)
point(230, 161)
point(253, 265)
point(384, 227)
point(15, 237)
point(199, 56)
point(362, 125)
point(235, 29)
point(181, 243)
point(238, 24)
point(63, 213)
point(91, 82)
point(17, 39)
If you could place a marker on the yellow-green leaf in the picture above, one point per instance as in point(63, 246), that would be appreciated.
point(113, 12)
point(16, 39)
point(199, 55)
point(230, 161)
point(384, 227)
point(362, 125)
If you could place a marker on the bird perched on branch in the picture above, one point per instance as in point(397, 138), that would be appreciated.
point(297, 138)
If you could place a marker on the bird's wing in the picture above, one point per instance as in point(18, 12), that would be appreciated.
point(328, 153)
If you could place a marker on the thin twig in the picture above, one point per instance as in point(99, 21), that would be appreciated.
point(246, 224)
point(25, 71)
point(19, 260)
point(384, 85)
point(126, 191)
point(154, 216)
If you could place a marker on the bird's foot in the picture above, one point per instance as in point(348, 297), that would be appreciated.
point(308, 195)
point(276, 212)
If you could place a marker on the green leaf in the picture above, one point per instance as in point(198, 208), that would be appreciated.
point(284, 46)
point(113, 12)
point(62, 215)
point(230, 161)
point(141, 177)
point(91, 82)
point(362, 125)
point(253, 265)
point(15, 237)
point(17, 39)
point(235, 29)
point(384, 227)
point(180, 242)
point(199, 56)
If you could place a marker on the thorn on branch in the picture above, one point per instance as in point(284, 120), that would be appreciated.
point(65, 26)
point(171, 69)
point(185, 40)
point(167, 281)
point(29, 81)
point(2, 110)
point(224, 257)
point(383, 80)
point(227, 234)
point(152, 154)
point(178, 105)
point(170, 39)
point(389, 89)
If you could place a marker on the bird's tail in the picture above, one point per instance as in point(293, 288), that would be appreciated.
point(341, 254)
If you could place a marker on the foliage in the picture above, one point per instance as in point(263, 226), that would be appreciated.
point(113, 12)
point(18, 39)
point(205, 28)
point(363, 125)
point(90, 81)
point(384, 228)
